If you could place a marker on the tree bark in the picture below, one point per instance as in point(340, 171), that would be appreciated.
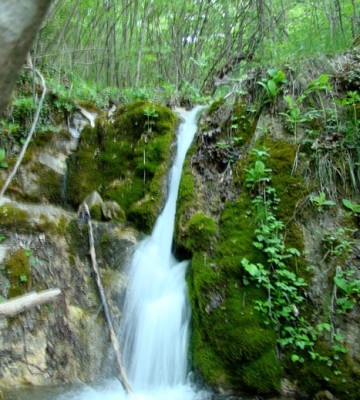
point(19, 23)
point(144, 22)
point(23, 303)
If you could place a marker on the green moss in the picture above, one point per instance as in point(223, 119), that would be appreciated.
point(246, 123)
point(62, 224)
point(41, 139)
point(105, 241)
point(49, 184)
point(77, 238)
point(14, 219)
point(200, 232)
point(262, 375)
point(215, 105)
point(230, 339)
point(45, 225)
point(316, 375)
point(229, 334)
point(95, 212)
point(186, 197)
point(89, 106)
point(110, 160)
point(18, 269)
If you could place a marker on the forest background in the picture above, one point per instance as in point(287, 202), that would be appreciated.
point(183, 46)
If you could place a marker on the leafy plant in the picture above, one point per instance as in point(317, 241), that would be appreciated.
point(294, 116)
point(272, 84)
point(258, 174)
point(9, 128)
point(3, 164)
point(350, 288)
point(354, 208)
point(150, 114)
point(338, 243)
point(320, 201)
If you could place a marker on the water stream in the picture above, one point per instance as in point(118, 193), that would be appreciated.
point(155, 328)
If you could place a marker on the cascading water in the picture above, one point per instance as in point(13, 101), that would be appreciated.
point(155, 327)
point(157, 312)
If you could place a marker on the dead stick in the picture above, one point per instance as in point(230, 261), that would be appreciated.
point(28, 139)
point(121, 370)
point(23, 303)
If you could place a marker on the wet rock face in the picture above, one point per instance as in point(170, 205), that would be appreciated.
point(65, 341)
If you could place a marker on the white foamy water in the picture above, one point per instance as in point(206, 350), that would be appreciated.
point(154, 334)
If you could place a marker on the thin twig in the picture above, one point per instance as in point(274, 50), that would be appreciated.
point(119, 365)
point(28, 139)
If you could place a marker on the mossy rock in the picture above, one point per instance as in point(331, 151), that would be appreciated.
point(230, 338)
point(14, 219)
point(18, 270)
point(201, 232)
point(126, 162)
point(95, 212)
point(246, 123)
point(215, 105)
point(261, 375)
point(316, 375)
point(185, 200)
point(229, 334)
point(49, 184)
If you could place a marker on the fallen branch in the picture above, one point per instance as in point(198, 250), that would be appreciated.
point(28, 139)
point(23, 303)
point(120, 368)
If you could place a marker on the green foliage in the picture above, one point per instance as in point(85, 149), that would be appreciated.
point(150, 114)
point(350, 288)
point(354, 208)
point(320, 201)
point(284, 287)
point(257, 175)
point(273, 84)
point(3, 164)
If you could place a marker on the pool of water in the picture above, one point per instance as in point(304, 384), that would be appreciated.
point(111, 390)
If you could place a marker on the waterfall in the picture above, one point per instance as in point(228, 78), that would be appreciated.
point(157, 313)
point(155, 326)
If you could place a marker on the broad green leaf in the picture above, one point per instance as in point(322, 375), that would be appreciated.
point(272, 87)
point(341, 283)
point(347, 203)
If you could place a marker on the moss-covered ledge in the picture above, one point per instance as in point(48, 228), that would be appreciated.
point(126, 161)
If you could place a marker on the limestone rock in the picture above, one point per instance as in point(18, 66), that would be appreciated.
point(93, 199)
point(288, 388)
point(67, 341)
point(324, 395)
point(112, 210)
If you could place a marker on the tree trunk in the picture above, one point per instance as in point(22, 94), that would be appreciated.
point(354, 20)
point(19, 23)
point(143, 28)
